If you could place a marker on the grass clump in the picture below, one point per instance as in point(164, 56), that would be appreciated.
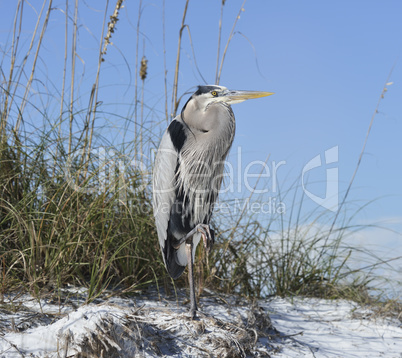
point(74, 208)
point(258, 260)
point(58, 230)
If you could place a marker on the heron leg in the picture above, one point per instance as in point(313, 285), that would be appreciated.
point(193, 302)
point(208, 238)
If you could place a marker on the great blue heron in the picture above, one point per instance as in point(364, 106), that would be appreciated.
point(188, 174)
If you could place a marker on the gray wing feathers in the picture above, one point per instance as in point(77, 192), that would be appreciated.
point(164, 186)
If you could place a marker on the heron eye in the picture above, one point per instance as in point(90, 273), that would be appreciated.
point(214, 93)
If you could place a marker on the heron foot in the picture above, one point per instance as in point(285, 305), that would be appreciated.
point(207, 234)
point(197, 315)
point(193, 313)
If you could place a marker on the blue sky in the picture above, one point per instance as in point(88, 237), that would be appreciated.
point(327, 63)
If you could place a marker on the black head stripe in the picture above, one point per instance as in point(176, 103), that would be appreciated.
point(206, 89)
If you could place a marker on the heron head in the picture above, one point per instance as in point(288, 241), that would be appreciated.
point(206, 95)
point(201, 111)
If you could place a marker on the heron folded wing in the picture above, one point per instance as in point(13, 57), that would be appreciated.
point(164, 186)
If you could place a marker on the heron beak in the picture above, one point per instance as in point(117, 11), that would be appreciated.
point(240, 96)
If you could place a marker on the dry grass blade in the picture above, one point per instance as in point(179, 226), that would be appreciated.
point(175, 102)
point(28, 85)
point(14, 47)
point(64, 76)
point(218, 75)
point(72, 81)
point(218, 51)
point(136, 74)
point(95, 88)
point(164, 61)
